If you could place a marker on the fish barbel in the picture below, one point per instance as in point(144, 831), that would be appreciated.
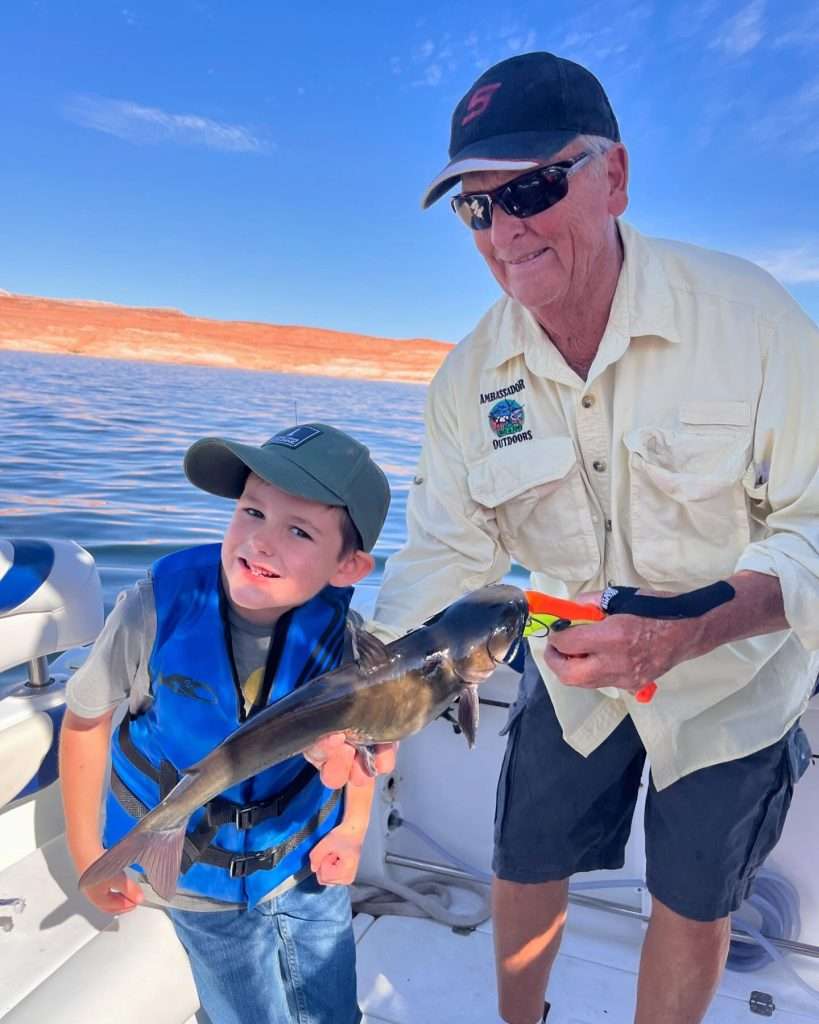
point(391, 692)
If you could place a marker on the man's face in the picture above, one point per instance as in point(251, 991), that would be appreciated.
point(547, 260)
point(278, 551)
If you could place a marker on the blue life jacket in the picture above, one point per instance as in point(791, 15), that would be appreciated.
point(258, 833)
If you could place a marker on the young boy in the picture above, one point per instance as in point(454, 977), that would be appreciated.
point(214, 634)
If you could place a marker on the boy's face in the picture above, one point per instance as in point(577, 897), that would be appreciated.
point(280, 550)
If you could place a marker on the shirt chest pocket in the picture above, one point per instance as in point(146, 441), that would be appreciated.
point(689, 517)
point(540, 504)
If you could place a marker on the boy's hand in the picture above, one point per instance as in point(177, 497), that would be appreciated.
point(117, 895)
point(335, 858)
point(340, 763)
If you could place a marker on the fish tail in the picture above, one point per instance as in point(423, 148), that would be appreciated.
point(157, 851)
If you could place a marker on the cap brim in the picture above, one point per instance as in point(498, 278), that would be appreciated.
point(501, 153)
point(221, 467)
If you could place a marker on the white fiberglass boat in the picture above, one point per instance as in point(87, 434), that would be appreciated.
point(63, 961)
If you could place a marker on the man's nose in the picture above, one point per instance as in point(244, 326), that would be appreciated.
point(504, 227)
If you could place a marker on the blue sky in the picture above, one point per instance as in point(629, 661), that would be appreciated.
point(265, 160)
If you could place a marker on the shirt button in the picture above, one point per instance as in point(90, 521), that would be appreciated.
point(608, 526)
point(587, 401)
point(599, 466)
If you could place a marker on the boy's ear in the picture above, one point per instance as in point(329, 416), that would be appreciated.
point(352, 568)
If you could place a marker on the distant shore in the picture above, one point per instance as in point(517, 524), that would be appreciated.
point(107, 331)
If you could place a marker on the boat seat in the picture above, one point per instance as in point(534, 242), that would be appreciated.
point(89, 966)
point(50, 599)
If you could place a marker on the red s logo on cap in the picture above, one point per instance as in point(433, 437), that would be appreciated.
point(479, 101)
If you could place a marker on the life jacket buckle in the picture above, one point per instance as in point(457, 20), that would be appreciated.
point(241, 867)
point(244, 818)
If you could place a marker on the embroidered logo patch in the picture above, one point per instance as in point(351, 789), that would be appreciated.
point(506, 417)
point(294, 437)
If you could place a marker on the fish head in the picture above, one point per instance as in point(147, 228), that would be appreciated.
point(483, 629)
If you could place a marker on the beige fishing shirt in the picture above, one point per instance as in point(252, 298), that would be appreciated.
point(691, 452)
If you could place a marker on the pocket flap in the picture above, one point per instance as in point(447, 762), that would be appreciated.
point(721, 414)
point(506, 474)
point(688, 466)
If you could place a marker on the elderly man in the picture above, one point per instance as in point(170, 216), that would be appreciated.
point(632, 412)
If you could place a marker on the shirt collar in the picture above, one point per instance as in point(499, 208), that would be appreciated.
point(643, 305)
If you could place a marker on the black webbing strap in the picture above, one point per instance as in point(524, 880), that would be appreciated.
point(626, 601)
point(239, 866)
point(220, 811)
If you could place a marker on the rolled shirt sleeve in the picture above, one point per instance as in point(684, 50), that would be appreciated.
point(784, 491)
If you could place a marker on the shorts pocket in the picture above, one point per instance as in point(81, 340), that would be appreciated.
point(537, 493)
point(507, 771)
point(689, 517)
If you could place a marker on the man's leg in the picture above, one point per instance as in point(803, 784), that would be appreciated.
point(680, 967)
point(556, 813)
point(706, 837)
point(528, 925)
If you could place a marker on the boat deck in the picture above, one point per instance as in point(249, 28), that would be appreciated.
point(415, 971)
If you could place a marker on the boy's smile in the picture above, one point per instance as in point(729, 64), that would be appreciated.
point(280, 550)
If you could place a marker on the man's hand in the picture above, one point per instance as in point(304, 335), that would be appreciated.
point(625, 651)
point(339, 762)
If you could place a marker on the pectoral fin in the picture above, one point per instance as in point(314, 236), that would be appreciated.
point(367, 751)
point(468, 713)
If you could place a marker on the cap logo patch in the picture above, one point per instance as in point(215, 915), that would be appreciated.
point(293, 437)
point(479, 101)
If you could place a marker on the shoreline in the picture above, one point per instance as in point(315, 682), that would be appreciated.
point(135, 334)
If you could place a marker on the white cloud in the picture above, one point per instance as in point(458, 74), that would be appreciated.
point(743, 32)
point(796, 265)
point(135, 123)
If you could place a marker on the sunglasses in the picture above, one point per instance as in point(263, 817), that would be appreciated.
point(524, 196)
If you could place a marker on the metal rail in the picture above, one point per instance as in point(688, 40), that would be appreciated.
point(594, 902)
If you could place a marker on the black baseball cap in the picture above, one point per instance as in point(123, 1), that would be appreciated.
point(521, 112)
point(311, 460)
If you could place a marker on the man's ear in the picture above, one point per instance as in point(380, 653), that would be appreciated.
point(352, 568)
point(617, 170)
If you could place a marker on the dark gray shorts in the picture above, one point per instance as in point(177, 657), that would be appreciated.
point(707, 834)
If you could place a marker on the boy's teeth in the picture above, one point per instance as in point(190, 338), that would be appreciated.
point(258, 571)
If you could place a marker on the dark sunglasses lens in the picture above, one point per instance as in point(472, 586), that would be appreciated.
point(534, 193)
point(475, 211)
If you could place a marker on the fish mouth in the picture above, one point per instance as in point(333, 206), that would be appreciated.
point(257, 569)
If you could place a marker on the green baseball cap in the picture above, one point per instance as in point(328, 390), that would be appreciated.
point(311, 460)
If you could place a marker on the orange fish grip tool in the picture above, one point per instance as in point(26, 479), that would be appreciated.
point(547, 613)
point(624, 601)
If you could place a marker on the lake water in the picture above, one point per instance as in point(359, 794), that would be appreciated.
point(92, 449)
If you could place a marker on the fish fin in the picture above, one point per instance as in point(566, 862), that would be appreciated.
point(367, 751)
point(468, 713)
point(369, 653)
point(157, 851)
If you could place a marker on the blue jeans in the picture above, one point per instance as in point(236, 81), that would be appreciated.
point(290, 960)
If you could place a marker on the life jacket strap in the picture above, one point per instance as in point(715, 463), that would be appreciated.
point(218, 811)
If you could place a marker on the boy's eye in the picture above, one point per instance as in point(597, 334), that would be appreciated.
point(254, 512)
point(298, 532)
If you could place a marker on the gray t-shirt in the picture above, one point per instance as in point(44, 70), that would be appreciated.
point(116, 670)
point(115, 675)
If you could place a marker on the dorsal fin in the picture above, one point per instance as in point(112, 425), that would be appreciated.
point(369, 653)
